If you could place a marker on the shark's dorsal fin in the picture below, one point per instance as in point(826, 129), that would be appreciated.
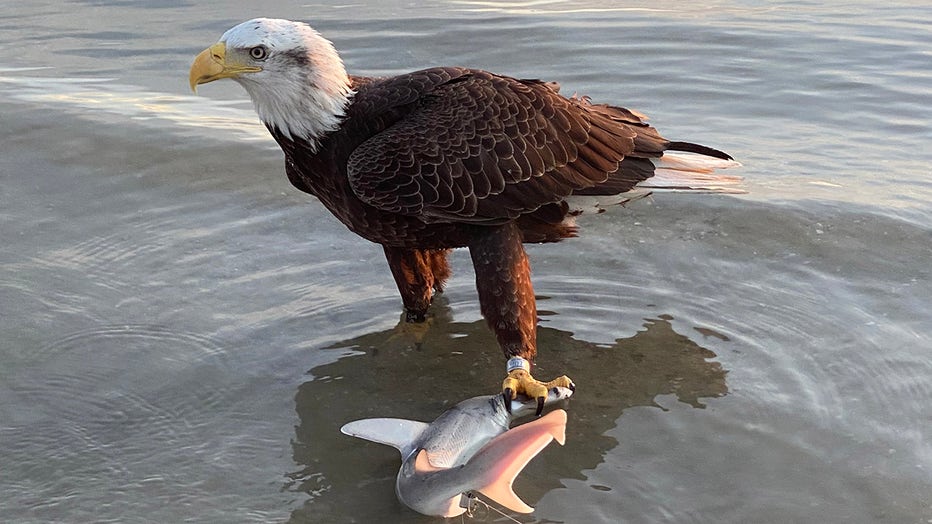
point(397, 432)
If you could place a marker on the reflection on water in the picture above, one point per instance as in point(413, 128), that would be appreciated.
point(548, 7)
point(102, 99)
point(418, 375)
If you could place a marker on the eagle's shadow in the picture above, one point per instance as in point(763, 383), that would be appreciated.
point(397, 374)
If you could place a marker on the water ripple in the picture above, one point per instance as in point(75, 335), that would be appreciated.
point(82, 378)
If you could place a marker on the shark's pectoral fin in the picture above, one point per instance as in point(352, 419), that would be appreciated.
point(507, 497)
point(422, 463)
point(397, 432)
point(499, 462)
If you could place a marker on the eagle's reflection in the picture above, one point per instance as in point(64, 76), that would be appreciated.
point(353, 481)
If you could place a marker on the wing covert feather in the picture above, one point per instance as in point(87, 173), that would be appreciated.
point(485, 148)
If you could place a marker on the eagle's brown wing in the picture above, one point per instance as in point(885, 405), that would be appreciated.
point(485, 149)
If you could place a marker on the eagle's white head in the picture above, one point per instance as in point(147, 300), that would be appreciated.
point(293, 75)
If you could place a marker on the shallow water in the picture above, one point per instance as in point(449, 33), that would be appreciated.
point(182, 333)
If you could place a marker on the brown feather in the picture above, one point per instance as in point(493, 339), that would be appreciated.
point(452, 157)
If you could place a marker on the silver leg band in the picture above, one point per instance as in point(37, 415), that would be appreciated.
point(517, 363)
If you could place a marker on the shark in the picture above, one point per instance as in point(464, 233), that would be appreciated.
point(469, 448)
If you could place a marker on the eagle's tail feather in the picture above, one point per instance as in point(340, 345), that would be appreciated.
point(695, 169)
point(700, 149)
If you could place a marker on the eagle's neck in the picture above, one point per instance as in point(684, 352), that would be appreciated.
point(307, 98)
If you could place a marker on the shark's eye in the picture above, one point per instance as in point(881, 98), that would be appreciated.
point(259, 52)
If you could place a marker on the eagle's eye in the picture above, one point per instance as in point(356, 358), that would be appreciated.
point(259, 52)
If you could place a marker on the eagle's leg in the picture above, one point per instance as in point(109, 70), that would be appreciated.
point(418, 274)
point(506, 299)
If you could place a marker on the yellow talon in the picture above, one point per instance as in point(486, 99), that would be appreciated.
point(520, 382)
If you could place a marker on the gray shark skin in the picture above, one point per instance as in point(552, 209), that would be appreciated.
point(467, 448)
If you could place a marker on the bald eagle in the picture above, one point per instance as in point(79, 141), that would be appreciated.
point(451, 157)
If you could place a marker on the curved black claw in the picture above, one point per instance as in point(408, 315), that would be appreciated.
point(540, 406)
point(507, 395)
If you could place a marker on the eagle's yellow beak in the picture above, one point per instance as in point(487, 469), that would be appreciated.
point(212, 64)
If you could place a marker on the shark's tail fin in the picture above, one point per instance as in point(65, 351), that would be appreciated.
point(395, 432)
point(499, 462)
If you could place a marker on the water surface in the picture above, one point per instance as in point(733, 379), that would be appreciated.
point(182, 333)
